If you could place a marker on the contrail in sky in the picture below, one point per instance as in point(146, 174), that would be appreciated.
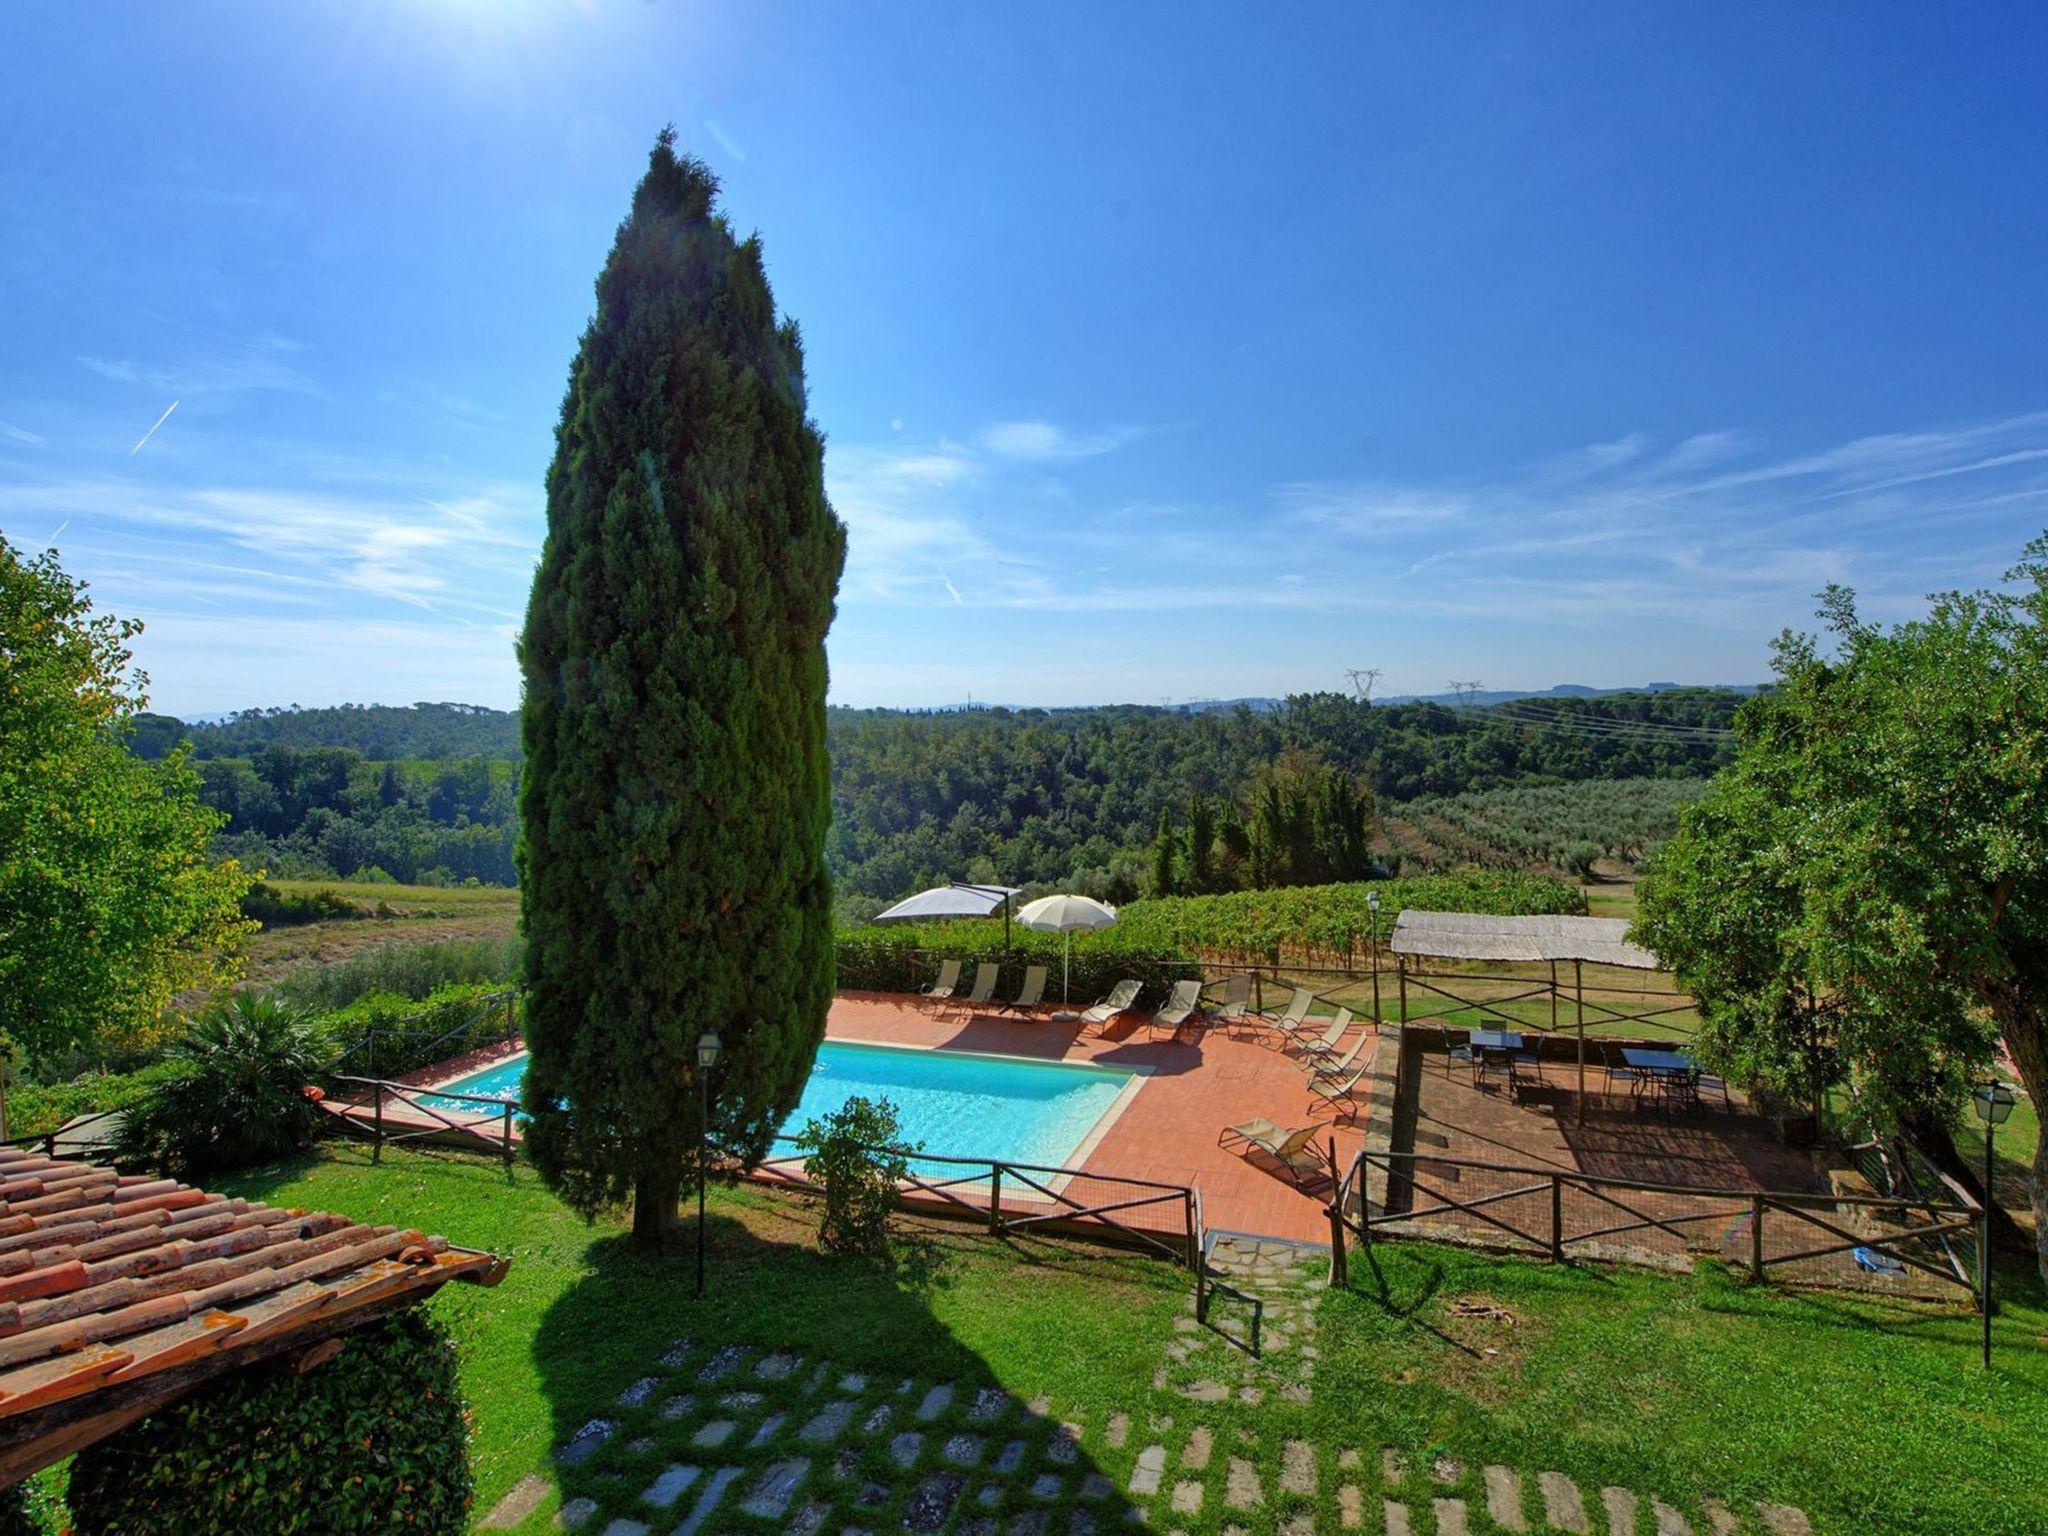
point(152, 431)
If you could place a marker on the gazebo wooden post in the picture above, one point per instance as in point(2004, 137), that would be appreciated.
point(1579, 1006)
point(1401, 976)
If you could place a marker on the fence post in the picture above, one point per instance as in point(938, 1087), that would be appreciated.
point(1557, 1217)
point(1756, 1237)
point(508, 1134)
point(995, 1199)
point(377, 1144)
point(1338, 1274)
point(1187, 1207)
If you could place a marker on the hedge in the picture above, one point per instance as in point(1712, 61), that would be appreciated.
point(1164, 940)
point(375, 1440)
point(905, 958)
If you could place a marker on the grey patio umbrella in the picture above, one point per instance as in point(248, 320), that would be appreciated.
point(958, 898)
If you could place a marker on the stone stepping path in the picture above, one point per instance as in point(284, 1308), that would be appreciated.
point(714, 1436)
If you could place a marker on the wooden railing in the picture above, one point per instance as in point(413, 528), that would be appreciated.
point(46, 1141)
point(403, 1034)
point(490, 1129)
point(1039, 1197)
point(1560, 1214)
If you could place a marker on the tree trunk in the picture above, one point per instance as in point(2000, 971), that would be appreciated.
point(655, 1218)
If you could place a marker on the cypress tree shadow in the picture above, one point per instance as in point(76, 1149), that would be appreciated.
point(806, 1392)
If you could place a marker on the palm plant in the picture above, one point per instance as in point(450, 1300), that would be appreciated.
point(240, 1096)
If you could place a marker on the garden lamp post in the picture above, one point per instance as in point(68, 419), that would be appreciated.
point(1992, 1101)
point(1372, 902)
point(709, 1048)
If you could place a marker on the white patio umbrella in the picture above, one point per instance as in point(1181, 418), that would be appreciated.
point(1066, 915)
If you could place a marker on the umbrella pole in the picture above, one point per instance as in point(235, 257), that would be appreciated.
point(1066, 958)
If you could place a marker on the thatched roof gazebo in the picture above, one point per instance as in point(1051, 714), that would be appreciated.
point(1546, 940)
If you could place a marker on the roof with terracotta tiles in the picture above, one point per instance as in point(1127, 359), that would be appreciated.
point(111, 1281)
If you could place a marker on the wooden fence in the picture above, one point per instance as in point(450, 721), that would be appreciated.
point(1007, 1197)
point(1561, 1214)
point(387, 1113)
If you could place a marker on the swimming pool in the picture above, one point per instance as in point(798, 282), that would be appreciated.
point(958, 1103)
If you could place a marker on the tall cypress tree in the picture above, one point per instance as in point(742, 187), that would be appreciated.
point(675, 796)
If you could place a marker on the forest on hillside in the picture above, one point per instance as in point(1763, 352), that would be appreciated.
point(1075, 796)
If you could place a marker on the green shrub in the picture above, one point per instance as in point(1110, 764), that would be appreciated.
point(33, 1108)
point(375, 1440)
point(854, 1156)
point(280, 909)
point(238, 1096)
point(410, 970)
point(385, 1034)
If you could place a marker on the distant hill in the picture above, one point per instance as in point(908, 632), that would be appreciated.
point(378, 731)
point(1073, 796)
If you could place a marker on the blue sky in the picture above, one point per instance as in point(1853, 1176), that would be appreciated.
point(1163, 351)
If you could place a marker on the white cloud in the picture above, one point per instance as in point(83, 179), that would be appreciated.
point(456, 554)
point(1040, 441)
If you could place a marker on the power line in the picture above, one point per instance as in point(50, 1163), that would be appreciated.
point(1593, 725)
point(1532, 711)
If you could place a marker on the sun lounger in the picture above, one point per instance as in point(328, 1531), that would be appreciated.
point(1235, 999)
point(1121, 997)
point(984, 985)
point(1325, 1044)
point(948, 982)
point(1333, 1092)
point(1032, 992)
point(1297, 1009)
point(1339, 1065)
point(1180, 1005)
point(1292, 1150)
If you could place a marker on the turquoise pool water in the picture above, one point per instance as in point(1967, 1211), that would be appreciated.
point(955, 1102)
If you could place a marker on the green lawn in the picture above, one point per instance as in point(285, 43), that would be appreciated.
point(1871, 1414)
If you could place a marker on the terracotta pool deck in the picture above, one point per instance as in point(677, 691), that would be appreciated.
point(1198, 1082)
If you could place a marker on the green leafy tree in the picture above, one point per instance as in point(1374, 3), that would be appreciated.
point(1863, 895)
point(675, 793)
point(109, 900)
